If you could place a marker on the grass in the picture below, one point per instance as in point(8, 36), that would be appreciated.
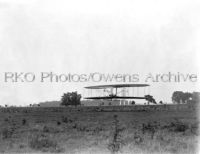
point(116, 141)
point(63, 130)
point(43, 142)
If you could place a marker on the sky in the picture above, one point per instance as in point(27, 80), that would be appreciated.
point(107, 36)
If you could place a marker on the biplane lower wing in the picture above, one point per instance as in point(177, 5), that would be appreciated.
point(115, 97)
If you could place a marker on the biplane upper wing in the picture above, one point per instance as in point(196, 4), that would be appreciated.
point(116, 86)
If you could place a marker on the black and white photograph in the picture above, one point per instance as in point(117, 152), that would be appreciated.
point(99, 76)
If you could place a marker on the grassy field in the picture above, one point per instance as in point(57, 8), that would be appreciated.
point(69, 130)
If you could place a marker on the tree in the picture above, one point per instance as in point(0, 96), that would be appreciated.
point(186, 97)
point(132, 102)
point(195, 97)
point(182, 97)
point(71, 98)
point(150, 99)
point(177, 97)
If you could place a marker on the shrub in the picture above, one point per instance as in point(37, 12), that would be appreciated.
point(138, 139)
point(180, 127)
point(150, 128)
point(6, 119)
point(194, 128)
point(7, 132)
point(23, 121)
point(97, 129)
point(66, 120)
point(58, 123)
point(116, 142)
point(51, 129)
point(43, 143)
point(177, 126)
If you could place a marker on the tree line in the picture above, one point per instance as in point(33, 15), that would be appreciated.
point(180, 97)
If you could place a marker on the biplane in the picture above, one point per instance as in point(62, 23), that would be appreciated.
point(117, 92)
